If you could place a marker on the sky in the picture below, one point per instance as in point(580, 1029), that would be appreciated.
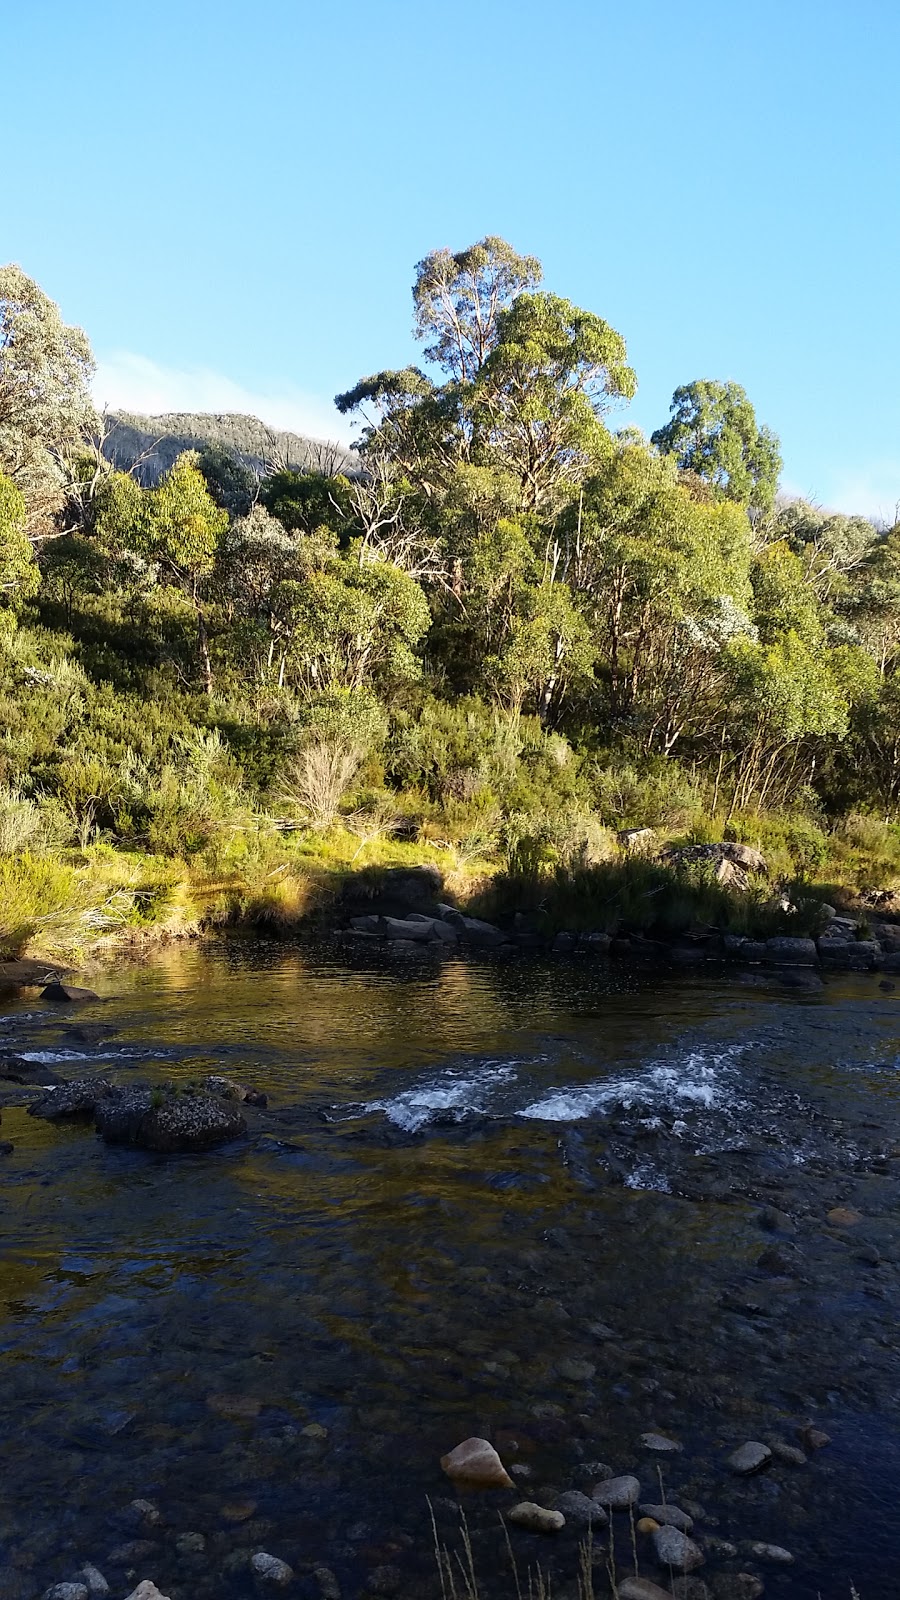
point(231, 198)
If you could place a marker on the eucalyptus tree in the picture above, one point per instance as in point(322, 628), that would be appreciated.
point(713, 432)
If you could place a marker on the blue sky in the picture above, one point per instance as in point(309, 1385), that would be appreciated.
point(231, 198)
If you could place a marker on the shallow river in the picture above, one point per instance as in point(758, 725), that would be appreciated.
point(552, 1204)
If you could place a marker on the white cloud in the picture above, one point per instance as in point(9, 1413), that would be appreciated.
point(134, 383)
point(870, 491)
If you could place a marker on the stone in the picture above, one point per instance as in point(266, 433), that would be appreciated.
point(238, 1510)
point(67, 1591)
point(791, 952)
point(477, 1463)
point(636, 841)
point(329, 1588)
point(749, 1457)
point(780, 1260)
point(661, 1444)
point(78, 1098)
point(67, 993)
point(242, 1407)
point(165, 1122)
point(646, 1525)
point(190, 1544)
point(576, 1371)
point(674, 1549)
point(227, 1089)
point(581, 1510)
point(737, 1586)
point(135, 1550)
point(689, 1589)
point(384, 1580)
point(812, 1438)
point(15, 1069)
point(788, 1453)
point(148, 1512)
point(641, 1589)
point(147, 1591)
point(473, 931)
point(564, 944)
point(617, 1493)
point(843, 1217)
point(419, 932)
point(668, 1516)
point(269, 1569)
point(98, 1588)
point(536, 1519)
point(770, 1552)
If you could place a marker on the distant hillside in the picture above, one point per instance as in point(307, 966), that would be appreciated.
point(149, 445)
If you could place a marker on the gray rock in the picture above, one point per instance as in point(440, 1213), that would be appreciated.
point(674, 1549)
point(135, 1550)
point(167, 1123)
point(576, 1371)
point(419, 932)
point(190, 1544)
point(749, 1457)
point(473, 931)
point(67, 993)
point(269, 1569)
point(598, 943)
point(792, 952)
point(668, 1517)
point(770, 1552)
point(147, 1591)
point(228, 1089)
point(15, 1069)
point(329, 1588)
point(858, 955)
point(737, 1586)
point(98, 1588)
point(564, 943)
point(788, 1453)
point(148, 1511)
point(76, 1099)
point(67, 1591)
point(617, 1493)
point(641, 1589)
point(536, 1519)
point(581, 1510)
point(689, 1589)
point(661, 1444)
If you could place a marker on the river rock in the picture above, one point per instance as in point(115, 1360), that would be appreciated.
point(147, 1591)
point(617, 1493)
point(15, 1069)
point(384, 1580)
point(67, 993)
point(787, 1453)
point(770, 1552)
point(269, 1569)
point(737, 1586)
point(791, 952)
point(535, 1518)
point(148, 1512)
point(581, 1510)
point(472, 930)
point(749, 1457)
point(172, 1123)
point(228, 1089)
point(67, 1591)
point(641, 1589)
point(133, 1551)
point(813, 1438)
point(843, 1217)
point(576, 1371)
point(674, 1549)
point(418, 932)
point(190, 1544)
point(98, 1588)
point(77, 1098)
point(661, 1444)
point(476, 1462)
point(668, 1517)
point(782, 1260)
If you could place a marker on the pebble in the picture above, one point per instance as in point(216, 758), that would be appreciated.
point(617, 1493)
point(190, 1544)
point(674, 1549)
point(661, 1443)
point(600, 1330)
point(669, 1517)
point(770, 1552)
point(476, 1462)
point(535, 1518)
point(646, 1525)
point(238, 1510)
point(576, 1371)
point(148, 1512)
point(269, 1569)
point(314, 1430)
point(67, 1591)
point(788, 1453)
point(581, 1510)
point(813, 1438)
point(749, 1457)
point(98, 1588)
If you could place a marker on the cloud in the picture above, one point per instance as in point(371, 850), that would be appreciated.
point(869, 491)
point(134, 383)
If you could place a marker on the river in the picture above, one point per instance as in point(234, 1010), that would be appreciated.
point(552, 1204)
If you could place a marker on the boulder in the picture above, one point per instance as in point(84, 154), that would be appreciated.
point(475, 1462)
point(15, 1069)
point(597, 943)
point(147, 1591)
point(636, 841)
point(674, 1549)
point(535, 1518)
point(167, 1123)
point(471, 930)
point(749, 1457)
point(270, 1570)
point(78, 1098)
point(418, 932)
point(769, 1552)
point(668, 1517)
point(737, 948)
point(581, 1510)
point(617, 1493)
point(97, 1586)
point(227, 1089)
point(67, 993)
point(791, 952)
point(850, 955)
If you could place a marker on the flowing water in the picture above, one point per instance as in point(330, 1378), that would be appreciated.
point(556, 1205)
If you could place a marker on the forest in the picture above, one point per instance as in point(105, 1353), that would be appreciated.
point(509, 629)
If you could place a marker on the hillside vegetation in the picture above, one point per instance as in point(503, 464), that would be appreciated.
point(500, 633)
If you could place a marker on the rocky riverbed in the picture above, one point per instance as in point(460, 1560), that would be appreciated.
point(616, 1227)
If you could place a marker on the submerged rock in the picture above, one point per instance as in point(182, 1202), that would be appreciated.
point(661, 1444)
point(67, 1591)
point(77, 1098)
point(674, 1549)
point(15, 1069)
point(813, 1438)
point(536, 1519)
point(477, 1463)
point(770, 1552)
point(737, 1586)
point(67, 993)
point(749, 1457)
point(167, 1123)
point(668, 1516)
point(617, 1493)
point(269, 1569)
point(641, 1589)
point(98, 1588)
point(228, 1089)
point(147, 1591)
point(581, 1510)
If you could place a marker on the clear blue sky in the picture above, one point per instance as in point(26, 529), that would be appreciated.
point(231, 198)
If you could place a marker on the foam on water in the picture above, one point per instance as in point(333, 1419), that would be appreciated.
point(699, 1081)
point(456, 1090)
